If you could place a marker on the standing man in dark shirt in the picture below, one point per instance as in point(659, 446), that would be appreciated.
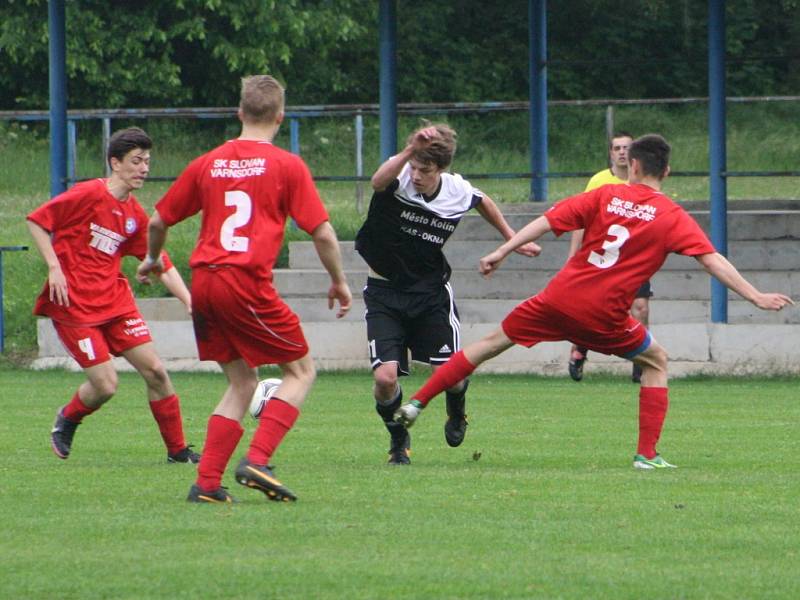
point(415, 208)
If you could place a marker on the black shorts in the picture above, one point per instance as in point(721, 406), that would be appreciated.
point(645, 291)
point(397, 321)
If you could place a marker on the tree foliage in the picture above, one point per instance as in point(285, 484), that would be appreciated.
point(193, 52)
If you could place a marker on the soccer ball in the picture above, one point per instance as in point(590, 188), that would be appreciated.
point(265, 389)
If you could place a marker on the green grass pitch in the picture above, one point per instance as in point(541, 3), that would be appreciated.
point(551, 508)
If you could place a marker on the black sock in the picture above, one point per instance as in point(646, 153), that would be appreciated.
point(386, 413)
point(456, 399)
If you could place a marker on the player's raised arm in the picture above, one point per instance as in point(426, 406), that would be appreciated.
point(491, 213)
point(531, 232)
point(59, 293)
point(390, 169)
point(327, 246)
point(719, 266)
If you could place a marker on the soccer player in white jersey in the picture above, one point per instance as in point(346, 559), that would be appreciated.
point(415, 207)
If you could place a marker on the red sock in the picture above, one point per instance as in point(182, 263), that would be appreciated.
point(275, 421)
point(653, 403)
point(222, 437)
point(76, 410)
point(445, 377)
point(167, 413)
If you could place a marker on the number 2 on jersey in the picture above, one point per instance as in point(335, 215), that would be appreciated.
point(244, 210)
point(610, 247)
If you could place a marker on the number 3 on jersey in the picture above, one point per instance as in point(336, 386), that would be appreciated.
point(244, 210)
point(610, 247)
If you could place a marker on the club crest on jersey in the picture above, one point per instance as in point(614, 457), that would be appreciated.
point(130, 225)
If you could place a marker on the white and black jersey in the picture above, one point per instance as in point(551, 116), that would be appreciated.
point(405, 231)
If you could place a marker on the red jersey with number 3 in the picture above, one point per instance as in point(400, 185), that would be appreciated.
point(245, 189)
point(628, 232)
point(91, 231)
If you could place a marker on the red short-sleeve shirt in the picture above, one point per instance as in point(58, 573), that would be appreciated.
point(91, 231)
point(246, 190)
point(629, 231)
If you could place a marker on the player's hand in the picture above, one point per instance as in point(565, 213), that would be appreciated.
point(530, 249)
point(772, 301)
point(489, 263)
point(59, 293)
point(424, 137)
point(149, 267)
point(340, 292)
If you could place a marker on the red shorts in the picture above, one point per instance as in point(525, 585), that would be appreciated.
point(533, 321)
point(236, 317)
point(93, 345)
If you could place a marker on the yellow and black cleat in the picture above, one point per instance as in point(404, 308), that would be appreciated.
point(217, 496)
point(261, 478)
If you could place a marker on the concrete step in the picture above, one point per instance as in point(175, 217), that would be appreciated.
point(742, 224)
point(693, 348)
point(475, 310)
point(518, 284)
point(745, 254)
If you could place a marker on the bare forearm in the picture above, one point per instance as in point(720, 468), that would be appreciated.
point(530, 233)
point(492, 215)
point(719, 266)
point(156, 236)
point(327, 247)
point(41, 238)
point(390, 170)
point(173, 281)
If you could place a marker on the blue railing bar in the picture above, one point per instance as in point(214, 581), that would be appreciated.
point(549, 175)
point(371, 109)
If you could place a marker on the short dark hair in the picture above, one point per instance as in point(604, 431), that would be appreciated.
point(652, 151)
point(125, 140)
point(618, 134)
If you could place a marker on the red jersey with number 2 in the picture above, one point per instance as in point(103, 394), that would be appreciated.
point(629, 231)
point(245, 189)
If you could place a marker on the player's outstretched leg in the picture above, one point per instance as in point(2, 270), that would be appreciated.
point(400, 439)
point(261, 478)
point(577, 357)
point(458, 368)
point(455, 428)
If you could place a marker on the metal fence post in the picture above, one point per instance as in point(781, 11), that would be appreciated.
point(609, 121)
point(72, 152)
point(104, 145)
point(294, 135)
point(359, 160)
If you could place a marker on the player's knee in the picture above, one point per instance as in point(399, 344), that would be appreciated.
point(303, 370)
point(659, 357)
point(106, 386)
point(385, 381)
point(155, 374)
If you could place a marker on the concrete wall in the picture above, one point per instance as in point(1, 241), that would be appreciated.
point(693, 348)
